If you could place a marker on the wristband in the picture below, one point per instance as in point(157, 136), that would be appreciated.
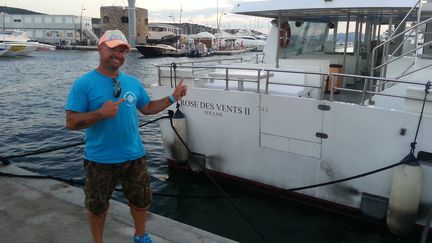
point(172, 99)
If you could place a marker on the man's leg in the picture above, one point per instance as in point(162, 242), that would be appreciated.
point(139, 216)
point(136, 187)
point(99, 185)
point(97, 225)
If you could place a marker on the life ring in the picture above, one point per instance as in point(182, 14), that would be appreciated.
point(284, 35)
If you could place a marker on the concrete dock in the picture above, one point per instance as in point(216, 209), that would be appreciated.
point(35, 210)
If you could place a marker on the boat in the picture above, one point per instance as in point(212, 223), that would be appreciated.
point(159, 50)
point(200, 45)
point(160, 33)
point(272, 126)
point(227, 44)
point(199, 49)
point(3, 49)
point(20, 44)
point(251, 43)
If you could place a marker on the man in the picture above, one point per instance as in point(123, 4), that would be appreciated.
point(104, 102)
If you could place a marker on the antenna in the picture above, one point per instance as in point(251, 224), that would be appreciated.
point(181, 10)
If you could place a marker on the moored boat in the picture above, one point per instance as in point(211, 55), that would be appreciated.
point(20, 44)
point(3, 49)
point(158, 50)
point(271, 124)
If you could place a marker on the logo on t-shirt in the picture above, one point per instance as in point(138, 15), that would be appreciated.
point(130, 99)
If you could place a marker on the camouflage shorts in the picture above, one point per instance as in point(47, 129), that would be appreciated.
point(101, 180)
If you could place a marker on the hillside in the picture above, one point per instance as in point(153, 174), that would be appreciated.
point(11, 10)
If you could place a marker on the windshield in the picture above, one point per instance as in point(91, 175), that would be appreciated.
point(306, 37)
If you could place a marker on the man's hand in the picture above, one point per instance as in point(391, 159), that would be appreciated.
point(180, 91)
point(110, 108)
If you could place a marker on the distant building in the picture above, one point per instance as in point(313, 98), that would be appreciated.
point(189, 28)
point(116, 17)
point(161, 27)
point(54, 29)
point(96, 26)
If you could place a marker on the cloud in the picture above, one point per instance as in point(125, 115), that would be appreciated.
point(207, 16)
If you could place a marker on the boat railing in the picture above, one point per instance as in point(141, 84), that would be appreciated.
point(193, 63)
point(392, 57)
point(367, 91)
point(258, 58)
point(323, 77)
point(264, 78)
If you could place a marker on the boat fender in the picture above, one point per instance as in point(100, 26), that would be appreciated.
point(404, 198)
point(180, 152)
point(284, 34)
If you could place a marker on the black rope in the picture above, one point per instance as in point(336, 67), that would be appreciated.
point(414, 143)
point(6, 160)
point(155, 120)
point(216, 184)
point(406, 160)
point(67, 181)
point(43, 151)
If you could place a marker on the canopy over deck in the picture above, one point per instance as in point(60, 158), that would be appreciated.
point(322, 10)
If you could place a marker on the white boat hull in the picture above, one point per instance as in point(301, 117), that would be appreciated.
point(272, 140)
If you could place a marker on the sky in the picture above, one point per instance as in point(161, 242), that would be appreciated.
point(203, 12)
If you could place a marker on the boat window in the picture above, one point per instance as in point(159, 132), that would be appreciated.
point(341, 34)
point(307, 37)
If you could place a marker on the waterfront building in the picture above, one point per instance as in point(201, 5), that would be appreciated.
point(53, 29)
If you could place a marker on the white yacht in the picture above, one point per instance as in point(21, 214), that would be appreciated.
point(250, 42)
point(273, 125)
point(20, 44)
point(3, 49)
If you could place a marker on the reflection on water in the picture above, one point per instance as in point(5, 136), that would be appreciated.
point(33, 91)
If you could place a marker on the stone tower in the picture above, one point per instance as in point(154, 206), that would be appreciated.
point(116, 17)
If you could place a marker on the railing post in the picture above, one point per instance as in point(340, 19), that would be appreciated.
point(331, 83)
point(267, 82)
point(365, 85)
point(322, 89)
point(159, 76)
point(226, 78)
point(259, 79)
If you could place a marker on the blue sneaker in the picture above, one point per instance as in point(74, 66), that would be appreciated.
point(143, 239)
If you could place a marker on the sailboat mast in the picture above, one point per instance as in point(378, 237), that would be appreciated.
point(132, 22)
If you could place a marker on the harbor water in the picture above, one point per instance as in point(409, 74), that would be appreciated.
point(33, 92)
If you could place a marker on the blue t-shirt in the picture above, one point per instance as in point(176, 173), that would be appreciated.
point(116, 139)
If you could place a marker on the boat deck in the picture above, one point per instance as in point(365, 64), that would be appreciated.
point(34, 210)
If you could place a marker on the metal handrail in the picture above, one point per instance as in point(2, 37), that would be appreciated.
point(201, 61)
point(405, 54)
point(392, 38)
point(366, 92)
point(332, 76)
point(406, 16)
point(416, 70)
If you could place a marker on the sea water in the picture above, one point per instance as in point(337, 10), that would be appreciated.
point(33, 92)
